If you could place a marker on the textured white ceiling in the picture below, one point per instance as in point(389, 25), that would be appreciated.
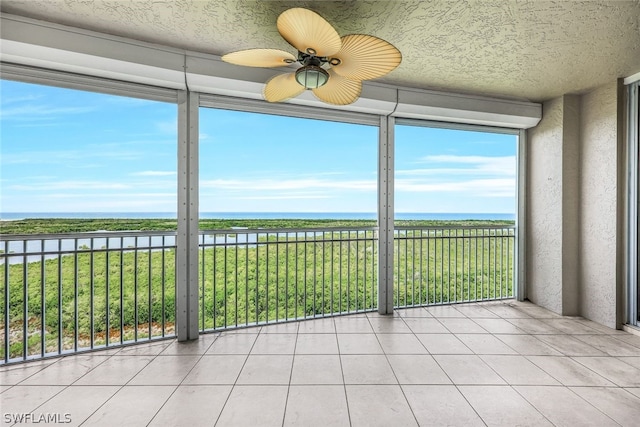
point(533, 50)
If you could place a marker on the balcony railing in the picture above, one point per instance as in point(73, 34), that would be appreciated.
point(444, 265)
point(251, 277)
point(65, 293)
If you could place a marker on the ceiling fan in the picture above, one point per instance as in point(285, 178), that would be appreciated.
point(333, 67)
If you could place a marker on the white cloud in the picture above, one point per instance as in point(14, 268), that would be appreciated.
point(20, 98)
point(498, 187)
point(127, 101)
point(39, 112)
point(114, 196)
point(169, 127)
point(66, 156)
point(284, 197)
point(288, 184)
point(154, 173)
point(485, 165)
point(70, 185)
point(445, 171)
point(475, 176)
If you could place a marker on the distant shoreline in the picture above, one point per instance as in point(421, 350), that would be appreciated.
point(443, 216)
point(81, 225)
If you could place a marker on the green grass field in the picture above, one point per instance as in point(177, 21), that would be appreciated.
point(124, 295)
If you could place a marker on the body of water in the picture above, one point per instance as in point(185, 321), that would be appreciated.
point(260, 215)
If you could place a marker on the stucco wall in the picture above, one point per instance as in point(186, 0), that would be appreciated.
point(598, 205)
point(544, 206)
point(573, 230)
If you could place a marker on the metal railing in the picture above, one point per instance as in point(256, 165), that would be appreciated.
point(250, 277)
point(65, 293)
point(444, 265)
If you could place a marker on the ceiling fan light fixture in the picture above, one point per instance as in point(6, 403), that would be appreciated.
point(333, 67)
point(312, 76)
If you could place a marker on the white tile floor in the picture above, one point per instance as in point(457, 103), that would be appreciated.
point(501, 363)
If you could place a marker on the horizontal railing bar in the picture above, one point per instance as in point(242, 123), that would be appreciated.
point(455, 227)
point(85, 235)
point(476, 232)
point(457, 302)
point(284, 230)
point(51, 355)
point(282, 242)
point(486, 236)
point(87, 251)
point(288, 320)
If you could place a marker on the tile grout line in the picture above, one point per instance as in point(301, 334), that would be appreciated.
point(121, 387)
point(183, 378)
point(386, 356)
point(452, 382)
point(570, 391)
point(344, 385)
point(64, 387)
point(293, 361)
point(595, 372)
point(233, 386)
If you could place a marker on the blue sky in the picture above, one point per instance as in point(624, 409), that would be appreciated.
point(72, 151)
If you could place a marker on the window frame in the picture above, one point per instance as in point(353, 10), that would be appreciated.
point(632, 258)
point(188, 103)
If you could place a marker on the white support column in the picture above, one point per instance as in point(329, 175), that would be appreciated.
point(187, 238)
point(520, 267)
point(385, 214)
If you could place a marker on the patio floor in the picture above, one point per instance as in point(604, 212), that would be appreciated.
point(498, 364)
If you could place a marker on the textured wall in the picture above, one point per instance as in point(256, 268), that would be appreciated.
point(544, 234)
point(599, 205)
point(536, 50)
point(573, 233)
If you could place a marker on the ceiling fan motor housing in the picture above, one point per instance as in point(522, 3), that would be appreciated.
point(311, 75)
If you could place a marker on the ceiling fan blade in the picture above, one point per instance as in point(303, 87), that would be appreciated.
point(308, 32)
point(282, 87)
point(364, 57)
point(260, 58)
point(339, 90)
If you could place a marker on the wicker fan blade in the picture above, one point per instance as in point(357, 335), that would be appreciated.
point(308, 32)
point(282, 87)
point(339, 90)
point(364, 57)
point(260, 58)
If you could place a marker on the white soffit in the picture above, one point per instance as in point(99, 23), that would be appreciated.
point(41, 44)
point(438, 106)
point(38, 44)
point(73, 62)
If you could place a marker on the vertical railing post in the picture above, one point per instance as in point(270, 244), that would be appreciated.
point(385, 214)
point(187, 235)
